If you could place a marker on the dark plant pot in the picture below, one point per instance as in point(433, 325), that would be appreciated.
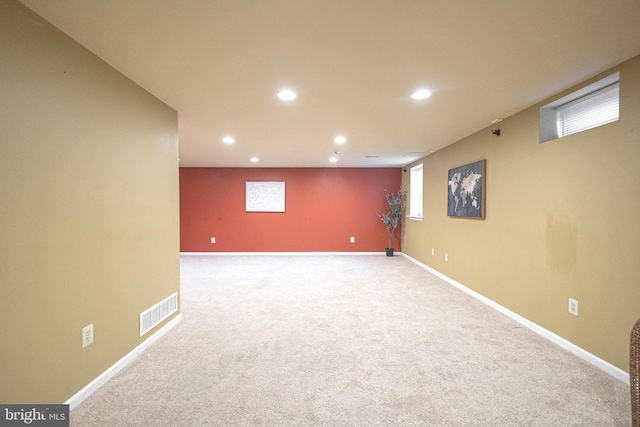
point(389, 251)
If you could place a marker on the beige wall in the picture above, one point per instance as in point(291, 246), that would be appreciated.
point(89, 227)
point(561, 221)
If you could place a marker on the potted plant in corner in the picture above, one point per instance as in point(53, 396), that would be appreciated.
point(391, 218)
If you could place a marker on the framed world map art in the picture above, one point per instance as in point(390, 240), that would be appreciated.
point(466, 191)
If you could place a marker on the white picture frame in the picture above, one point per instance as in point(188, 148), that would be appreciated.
point(265, 196)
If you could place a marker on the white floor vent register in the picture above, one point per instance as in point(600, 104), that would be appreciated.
point(156, 314)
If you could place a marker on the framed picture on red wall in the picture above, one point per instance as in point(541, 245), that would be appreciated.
point(265, 196)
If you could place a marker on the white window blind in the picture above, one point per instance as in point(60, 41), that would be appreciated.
point(591, 106)
point(415, 192)
point(596, 109)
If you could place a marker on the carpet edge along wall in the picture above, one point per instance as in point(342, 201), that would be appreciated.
point(324, 208)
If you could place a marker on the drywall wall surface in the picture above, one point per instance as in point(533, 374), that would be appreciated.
point(561, 222)
point(89, 216)
point(324, 208)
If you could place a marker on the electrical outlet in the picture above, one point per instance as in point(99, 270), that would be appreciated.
point(213, 240)
point(573, 306)
point(87, 335)
point(352, 239)
point(446, 257)
point(433, 251)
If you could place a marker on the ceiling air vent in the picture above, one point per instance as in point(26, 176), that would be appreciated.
point(371, 157)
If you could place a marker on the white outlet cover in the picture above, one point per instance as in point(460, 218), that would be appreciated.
point(573, 306)
point(446, 257)
point(352, 239)
point(87, 335)
point(213, 240)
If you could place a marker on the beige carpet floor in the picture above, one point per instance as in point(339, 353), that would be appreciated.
point(347, 341)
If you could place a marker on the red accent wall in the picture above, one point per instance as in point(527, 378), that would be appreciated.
point(324, 207)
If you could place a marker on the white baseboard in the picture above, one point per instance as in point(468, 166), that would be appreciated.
point(567, 345)
point(77, 398)
point(285, 253)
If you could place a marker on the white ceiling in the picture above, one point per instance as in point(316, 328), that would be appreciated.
point(353, 63)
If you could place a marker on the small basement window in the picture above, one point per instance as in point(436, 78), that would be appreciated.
point(592, 106)
point(415, 192)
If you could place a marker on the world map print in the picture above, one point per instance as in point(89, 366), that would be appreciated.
point(465, 195)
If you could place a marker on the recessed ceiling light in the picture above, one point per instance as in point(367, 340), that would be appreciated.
point(333, 159)
point(228, 140)
point(287, 95)
point(255, 159)
point(340, 139)
point(421, 94)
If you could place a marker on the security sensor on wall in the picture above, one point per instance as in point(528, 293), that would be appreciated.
point(496, 132)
